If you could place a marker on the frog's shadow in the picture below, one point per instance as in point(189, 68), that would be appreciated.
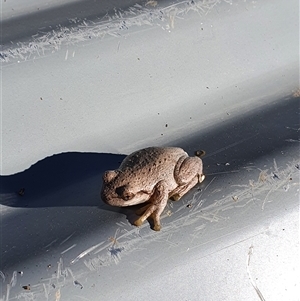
point(66, 179)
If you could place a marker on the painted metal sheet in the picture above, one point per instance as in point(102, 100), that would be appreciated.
point(86, 82)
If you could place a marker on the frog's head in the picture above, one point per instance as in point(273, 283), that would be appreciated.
point(116, 191)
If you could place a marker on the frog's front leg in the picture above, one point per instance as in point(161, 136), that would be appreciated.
point(158, 202)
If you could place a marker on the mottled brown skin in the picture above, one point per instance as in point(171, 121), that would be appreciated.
point(151, 175)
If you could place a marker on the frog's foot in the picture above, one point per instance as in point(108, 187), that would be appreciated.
point(155, 207)
point(201, 178)
point(152, 211)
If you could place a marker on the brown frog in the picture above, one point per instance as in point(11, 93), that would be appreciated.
point(152, 175)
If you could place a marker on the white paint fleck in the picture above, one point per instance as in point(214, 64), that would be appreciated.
point(13, 280)
point(67, 54)
point(59, 268)
point(2, 276)
point(66, 239)
point(51, 243)
point(68, 249)
point(84, 253)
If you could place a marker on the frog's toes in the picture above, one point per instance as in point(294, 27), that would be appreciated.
point(156, 222)
point(138, 222)
point(156, 227)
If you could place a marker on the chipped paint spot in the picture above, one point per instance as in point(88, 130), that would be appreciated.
point(77, 283)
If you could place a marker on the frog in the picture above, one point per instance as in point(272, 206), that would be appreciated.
point(151, 176)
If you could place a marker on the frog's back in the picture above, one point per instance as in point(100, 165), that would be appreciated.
point(152, 157)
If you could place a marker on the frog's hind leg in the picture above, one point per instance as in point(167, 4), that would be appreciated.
point(154, 209)
point(180, 191)
point(186, 169)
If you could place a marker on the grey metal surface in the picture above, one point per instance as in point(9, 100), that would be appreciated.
point(220, 76)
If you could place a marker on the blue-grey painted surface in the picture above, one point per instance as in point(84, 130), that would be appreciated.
point(85, 82)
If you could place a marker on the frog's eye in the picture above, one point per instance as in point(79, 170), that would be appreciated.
point(124, 193)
